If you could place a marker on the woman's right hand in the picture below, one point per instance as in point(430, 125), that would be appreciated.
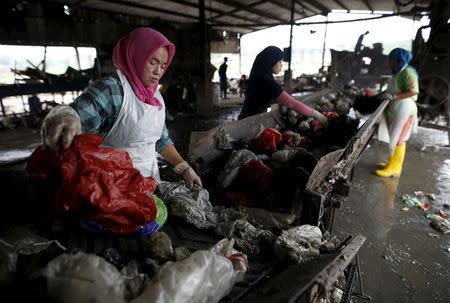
point(189, 175)
point(60, 126)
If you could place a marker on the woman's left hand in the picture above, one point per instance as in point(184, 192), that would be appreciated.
point(188, 174)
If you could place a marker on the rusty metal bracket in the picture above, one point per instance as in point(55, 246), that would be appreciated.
point(296, 280)
point(352, 151)
point(333, 271)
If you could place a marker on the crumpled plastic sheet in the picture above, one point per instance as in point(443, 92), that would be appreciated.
point(206, 276)
point(268, 140)
point(258, 217)
point(224, 218)
point(135, 282)
point(412, 201)
point(231, 169)
point(440, 224)
point(23, 237)
point(8, 263)
point(292, 139)
point(284, 156)
point(304, 126)
point(181, 253)
point(232, 224)
point(262, 218)
point(224, 139)
point(32, 252)
point(250, 239)
point(159, 245)
point(225, 248)
point(299, 243)
point(335, 295)
point(80, 277)
point(193, 206)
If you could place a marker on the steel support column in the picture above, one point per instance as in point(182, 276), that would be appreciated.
point(288, 73)
point(204, 100)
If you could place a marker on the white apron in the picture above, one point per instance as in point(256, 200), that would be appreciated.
point(395, 116)
point(136, 130)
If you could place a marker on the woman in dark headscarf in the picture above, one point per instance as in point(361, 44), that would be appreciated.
point(262, 89)
point(400, 116)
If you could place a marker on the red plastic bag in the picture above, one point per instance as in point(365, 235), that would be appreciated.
point(97, 183)
point(315, 125)
point(268, 140)
point(331, 115)
point(255, 176)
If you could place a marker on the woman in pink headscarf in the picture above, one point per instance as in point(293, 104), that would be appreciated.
point(125, 107)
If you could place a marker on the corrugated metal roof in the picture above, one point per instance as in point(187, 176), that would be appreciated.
point(240, 15)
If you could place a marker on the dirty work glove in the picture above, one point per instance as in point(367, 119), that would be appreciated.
point(383, 96)
point(322, 119)
point(61, 125)
point(188, 174)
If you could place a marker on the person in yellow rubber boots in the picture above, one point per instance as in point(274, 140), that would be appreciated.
point(400, 116)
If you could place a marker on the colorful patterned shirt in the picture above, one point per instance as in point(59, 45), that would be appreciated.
point(100, 104)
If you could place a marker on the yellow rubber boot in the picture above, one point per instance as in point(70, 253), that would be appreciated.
point(384, 164)
point(394, 167)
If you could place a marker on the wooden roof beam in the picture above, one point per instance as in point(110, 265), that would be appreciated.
point(251, 9)
point(214, 10)
point(323, 9)
point(339, 2)
point(150, 8)
point(235, 10)
point(305, 7)
point(369, 6)
point(285, 6)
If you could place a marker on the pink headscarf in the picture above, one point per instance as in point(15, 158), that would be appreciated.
point(131, 54)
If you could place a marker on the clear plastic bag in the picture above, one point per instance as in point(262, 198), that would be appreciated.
point(206, 276)
point(299, 243)
point(83, 277)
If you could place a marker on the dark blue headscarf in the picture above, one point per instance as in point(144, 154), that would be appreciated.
point(401, 56)
point(263, 64)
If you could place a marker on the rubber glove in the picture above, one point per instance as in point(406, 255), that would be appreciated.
point(60, 125)
point(285, 99)
point(322, 119)
point(188, 174)
point(383, 96)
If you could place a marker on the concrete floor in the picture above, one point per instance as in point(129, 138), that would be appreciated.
point(400, 262)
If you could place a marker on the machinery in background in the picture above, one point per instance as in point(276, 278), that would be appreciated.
point(432, 60)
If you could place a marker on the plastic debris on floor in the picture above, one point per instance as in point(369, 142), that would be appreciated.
point(427, 203)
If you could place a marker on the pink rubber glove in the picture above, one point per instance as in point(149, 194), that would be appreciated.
point(188, 174)
point(285, 99)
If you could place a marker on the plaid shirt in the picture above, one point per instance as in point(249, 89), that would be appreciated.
point(99, 105)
